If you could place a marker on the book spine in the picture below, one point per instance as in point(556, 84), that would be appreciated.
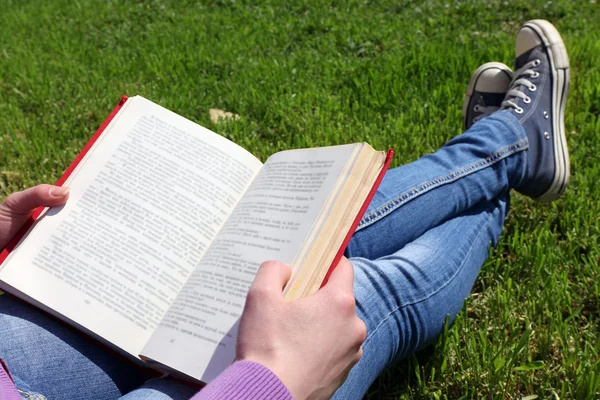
point(17, 238)
point(363, 209)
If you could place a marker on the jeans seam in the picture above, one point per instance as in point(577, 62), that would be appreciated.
point(516, 128)
point(412, 303)
point(410, 194)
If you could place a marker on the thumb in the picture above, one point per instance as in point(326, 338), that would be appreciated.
point(19, 206)
point(23, 203)
point(342, 277)
point(272, 276)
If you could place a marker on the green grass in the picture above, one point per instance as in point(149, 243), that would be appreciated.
point(389, 72)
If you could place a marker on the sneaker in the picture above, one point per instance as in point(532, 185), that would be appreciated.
point(486, 91)
point(537, 97)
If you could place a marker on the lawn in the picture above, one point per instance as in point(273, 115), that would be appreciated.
point(303, 74)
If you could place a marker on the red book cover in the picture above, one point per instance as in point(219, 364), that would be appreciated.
point(15, 240)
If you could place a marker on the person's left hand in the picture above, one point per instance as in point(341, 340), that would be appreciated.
point(19, 206)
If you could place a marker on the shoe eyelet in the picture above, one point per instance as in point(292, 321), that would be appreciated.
point(536, 62)
point(527, 100)
point(476, 108)
point(519, 110)
point(535, 74)
point(532, 88)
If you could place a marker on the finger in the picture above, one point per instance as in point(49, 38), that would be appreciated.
point(272, 276)
point(342, 277)
point(23, 203)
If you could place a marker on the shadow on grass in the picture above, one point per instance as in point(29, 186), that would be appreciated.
point(405, 379)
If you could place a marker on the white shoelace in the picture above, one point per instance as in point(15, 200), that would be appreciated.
point(517, 84)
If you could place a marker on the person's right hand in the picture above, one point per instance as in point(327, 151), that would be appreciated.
point(310, 343)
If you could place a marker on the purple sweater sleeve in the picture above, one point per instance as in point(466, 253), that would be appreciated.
point(245, 380)
point(8, 391)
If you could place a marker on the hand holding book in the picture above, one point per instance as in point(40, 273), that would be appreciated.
point(19, 206)
point(290, 338)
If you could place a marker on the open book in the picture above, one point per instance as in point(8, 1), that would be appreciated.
point(166, 225)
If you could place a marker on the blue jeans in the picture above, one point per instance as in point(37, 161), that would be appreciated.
point(416, 255)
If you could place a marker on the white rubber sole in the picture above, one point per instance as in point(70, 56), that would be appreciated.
point(559, 67)
point(473, 82)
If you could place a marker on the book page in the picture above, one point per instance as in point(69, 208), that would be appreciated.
point(271, 222)
point(145, 204)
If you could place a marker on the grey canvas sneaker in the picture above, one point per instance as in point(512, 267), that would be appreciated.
point(537, 97)
point(486, 91)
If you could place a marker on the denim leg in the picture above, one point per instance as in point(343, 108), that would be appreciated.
point(487, 160)
point(46, 357)
point(161, 389)
point(404, 297)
